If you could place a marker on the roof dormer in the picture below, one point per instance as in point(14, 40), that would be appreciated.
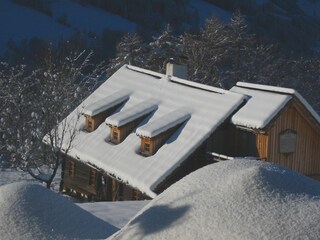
point(98, 111)
point(121, 124)
point(154, 134)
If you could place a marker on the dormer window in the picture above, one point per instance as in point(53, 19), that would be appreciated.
point(154, 134)
point(98, 111)
point(121, 124)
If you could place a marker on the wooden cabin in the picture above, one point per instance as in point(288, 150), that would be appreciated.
point(155, 131)
point(159, 128)
point(275, 125)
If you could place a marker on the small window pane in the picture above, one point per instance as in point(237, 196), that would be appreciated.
point(92, 178)
point(115, 135)
point(147, 147)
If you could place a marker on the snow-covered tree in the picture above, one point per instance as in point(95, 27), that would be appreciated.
point(154, 55)
point(205, 52)
point(34, 105)
point(162, 48)
point(130, 50)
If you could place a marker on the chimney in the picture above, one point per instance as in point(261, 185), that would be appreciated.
point(176, 70)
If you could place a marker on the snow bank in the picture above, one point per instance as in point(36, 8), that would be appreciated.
point(236, 199)
point(30, 211)
point(116, 213)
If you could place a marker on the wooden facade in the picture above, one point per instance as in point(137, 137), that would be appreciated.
point(83, 181)
point(300, 152)
point(291, 139)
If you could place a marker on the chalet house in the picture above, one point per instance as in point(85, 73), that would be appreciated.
point(276, 125)
point(141, 131)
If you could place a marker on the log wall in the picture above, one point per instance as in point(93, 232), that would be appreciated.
point(83, 181)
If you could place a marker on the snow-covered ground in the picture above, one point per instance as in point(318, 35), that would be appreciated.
point(236, 199)
point(30, 211)
point(117, 214)
point(14, 195)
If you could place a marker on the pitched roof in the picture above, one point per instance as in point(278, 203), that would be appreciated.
point(264, 103)
point(207, 108)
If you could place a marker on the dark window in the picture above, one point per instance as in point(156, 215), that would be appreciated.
point(115, 135)
point(71, 168)
point(92, 177)
point(147, 147)
point(136, 195)
point(90, 126)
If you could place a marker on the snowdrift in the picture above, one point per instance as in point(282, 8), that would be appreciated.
point(236, 199)
point(30, 211)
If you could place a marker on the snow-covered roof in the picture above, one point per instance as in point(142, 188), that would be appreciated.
point(264, 103)
point(141, 109)
point(235, 199)
point(163, 123)
point(107, 102)
point(208, 109)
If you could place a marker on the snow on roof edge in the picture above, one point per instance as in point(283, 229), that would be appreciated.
point(266, 87)
point(163, 123)
point(145, 71)
point(308, 106)
point(285, 91)
point(123, 117)
point(107, 102)
point(240, 123)
point(197, 85)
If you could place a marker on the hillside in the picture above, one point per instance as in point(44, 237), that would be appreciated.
point(25, 25)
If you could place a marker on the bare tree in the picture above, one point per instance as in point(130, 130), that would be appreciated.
point(130, 50)
point(205, 52)
point(35, 104)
